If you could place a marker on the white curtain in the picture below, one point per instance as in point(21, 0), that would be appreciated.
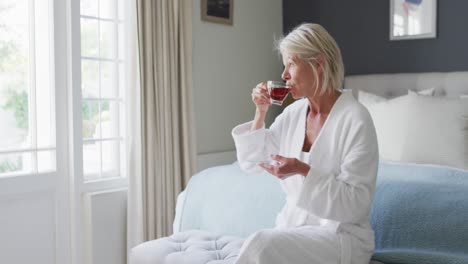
point(163, 156)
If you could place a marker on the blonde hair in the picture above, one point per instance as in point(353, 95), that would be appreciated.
point(312, 43)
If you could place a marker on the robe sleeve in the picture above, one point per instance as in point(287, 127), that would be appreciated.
point(256, 146)
point(346, 197)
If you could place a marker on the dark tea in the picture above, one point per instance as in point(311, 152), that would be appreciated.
point(279, 94)
point(277, 91)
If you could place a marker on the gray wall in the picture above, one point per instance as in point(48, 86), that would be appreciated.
point(228, 61)
point(361, 29)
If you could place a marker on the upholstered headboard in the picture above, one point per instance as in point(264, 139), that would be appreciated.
point(450, 84)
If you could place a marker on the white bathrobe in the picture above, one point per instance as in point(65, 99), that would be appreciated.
point(326, 216)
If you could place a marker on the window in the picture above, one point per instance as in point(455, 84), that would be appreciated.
point(27, 110)
point(102, 84)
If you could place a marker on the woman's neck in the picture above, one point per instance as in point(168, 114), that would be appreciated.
point(322, 104)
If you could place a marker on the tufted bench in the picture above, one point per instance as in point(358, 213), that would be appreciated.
point(194, 247)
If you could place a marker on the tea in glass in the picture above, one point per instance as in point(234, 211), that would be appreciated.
point(278, 91)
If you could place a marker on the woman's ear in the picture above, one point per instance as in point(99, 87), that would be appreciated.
point(320, 61)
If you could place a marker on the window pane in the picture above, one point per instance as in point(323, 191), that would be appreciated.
point(45, 95)
point(107, 8)
point(89, 37)
point(122, 42)
point(121, 8)
point(108, 80)
point(90, 115)
point(14, 119)
point(108, 40)
point(110, 119)
point(91, 159)
point(90, 78)
point(102, 125)
point(122, 80)
point(27, 108)
point(14, 74)
point(123, 164)
point(89, 7)
point(15, 163)
point(46, 160)
point(45, 120)
point(111, 158)
point(122, 116)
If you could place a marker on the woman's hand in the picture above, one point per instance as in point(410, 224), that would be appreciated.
point(286, 167)
point(260, 97)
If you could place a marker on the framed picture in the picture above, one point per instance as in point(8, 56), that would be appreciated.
point(217, 11)
point(413, 19)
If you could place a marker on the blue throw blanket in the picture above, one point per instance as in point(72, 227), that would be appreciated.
point(420, 215)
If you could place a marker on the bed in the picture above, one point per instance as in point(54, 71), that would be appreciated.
point(420, 209)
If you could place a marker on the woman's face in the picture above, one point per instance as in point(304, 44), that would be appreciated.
point(299, 75)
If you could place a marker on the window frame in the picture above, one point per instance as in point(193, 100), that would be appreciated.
point(117, 61)
point(78, 183)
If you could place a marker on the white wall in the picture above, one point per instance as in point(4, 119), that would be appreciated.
point(228, 61)
point(105, 217)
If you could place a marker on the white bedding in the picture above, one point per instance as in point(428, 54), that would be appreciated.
point(415, 128)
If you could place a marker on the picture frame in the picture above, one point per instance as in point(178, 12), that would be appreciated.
point(217, 11)
point(413, 19)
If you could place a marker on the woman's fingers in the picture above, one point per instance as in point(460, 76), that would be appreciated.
point(260, 99)
point(284, 168)
point(266, 166)
point(278, 157)
point(272, 169)
point(260, 92)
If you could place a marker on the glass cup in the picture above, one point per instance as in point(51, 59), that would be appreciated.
point(269, 162)
point(278, 91)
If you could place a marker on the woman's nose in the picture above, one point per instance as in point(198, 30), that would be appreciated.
point(285, 75)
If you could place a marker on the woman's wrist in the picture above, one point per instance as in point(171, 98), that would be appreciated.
point(260, 112)
point(303, 168)
point(258, 120)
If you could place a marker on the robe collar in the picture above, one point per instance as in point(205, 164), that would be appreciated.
point(299, 135)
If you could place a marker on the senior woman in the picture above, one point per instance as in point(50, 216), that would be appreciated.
point(326, 157)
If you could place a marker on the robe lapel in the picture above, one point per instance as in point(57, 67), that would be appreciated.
point(299, 134)
point(323, 134)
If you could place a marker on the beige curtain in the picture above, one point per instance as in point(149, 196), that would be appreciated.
point(168, 149)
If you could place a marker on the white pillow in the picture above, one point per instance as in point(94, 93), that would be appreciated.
point(368, 99)
point(391, 124)
point(464, 96)
point(437, 131)
point(426, 92)
point(422, 129)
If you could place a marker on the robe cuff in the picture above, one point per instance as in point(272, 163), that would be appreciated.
point(247, 141)
point(314, 182)
point(244, 129)
point(249, 147)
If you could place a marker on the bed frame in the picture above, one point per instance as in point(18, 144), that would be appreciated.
point(450, 84)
